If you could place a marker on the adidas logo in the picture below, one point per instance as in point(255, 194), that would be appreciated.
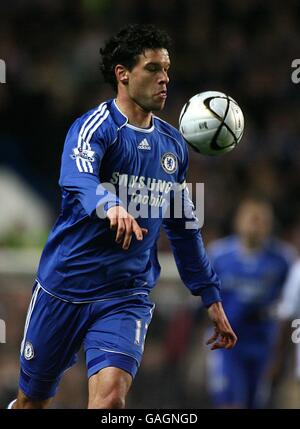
point(144, 145)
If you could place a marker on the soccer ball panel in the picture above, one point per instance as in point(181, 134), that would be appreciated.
point(212, 123)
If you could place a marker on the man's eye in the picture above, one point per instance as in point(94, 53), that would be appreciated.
point(152, 68)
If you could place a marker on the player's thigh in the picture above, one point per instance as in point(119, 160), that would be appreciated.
point(23, 402)
point(258, 382)
point(117, 336)
point(108, 388)
point(226, 379)
point(53, 333)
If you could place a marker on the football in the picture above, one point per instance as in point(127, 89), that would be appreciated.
point(212, 123)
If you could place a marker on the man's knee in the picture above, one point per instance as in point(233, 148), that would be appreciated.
point(23, 402)
point(108, 388)
point(115, 400)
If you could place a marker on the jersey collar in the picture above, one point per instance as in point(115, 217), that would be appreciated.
point(118, 116)
point(122, 119)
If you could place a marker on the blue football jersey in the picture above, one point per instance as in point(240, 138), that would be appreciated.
point(251, 285)
point(106, 160)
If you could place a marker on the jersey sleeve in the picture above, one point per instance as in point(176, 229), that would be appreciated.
point(188, 248)
point(85, 145)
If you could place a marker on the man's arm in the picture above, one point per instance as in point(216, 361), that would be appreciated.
point(80, 172)
point(197, 272)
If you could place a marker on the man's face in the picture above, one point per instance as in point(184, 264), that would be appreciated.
point(254, 222)
point(147, 81)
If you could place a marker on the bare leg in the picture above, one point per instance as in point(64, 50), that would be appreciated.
point(23, 402)
point(108, 388)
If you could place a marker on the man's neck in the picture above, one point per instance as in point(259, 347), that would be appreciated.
point(251, 246)
point(135, 114)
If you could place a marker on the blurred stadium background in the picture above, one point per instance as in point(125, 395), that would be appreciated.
point(51, 50)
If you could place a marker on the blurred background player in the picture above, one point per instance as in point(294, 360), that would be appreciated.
point(288, 347)
point(252, 266)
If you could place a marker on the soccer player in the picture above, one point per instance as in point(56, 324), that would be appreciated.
point(252, 266)
point(289, 314)
point(99, 263)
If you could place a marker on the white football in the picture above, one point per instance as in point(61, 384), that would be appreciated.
point(212, 123)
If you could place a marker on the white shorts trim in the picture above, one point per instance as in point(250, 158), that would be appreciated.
point(29, 314)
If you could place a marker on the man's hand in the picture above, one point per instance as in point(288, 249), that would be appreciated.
point(223, 337)
point(125, 225)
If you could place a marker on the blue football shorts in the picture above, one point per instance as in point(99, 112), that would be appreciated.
point(112, 332)
point(236, 379)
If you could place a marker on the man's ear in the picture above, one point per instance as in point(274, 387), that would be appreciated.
point(121, 74)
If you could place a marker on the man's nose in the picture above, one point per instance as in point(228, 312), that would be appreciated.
point(164, 78)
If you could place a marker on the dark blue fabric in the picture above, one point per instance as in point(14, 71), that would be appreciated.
point(112, 332)
point(81, 260)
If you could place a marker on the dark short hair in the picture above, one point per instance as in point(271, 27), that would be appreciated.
point(256, 198)
point(125, 47)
